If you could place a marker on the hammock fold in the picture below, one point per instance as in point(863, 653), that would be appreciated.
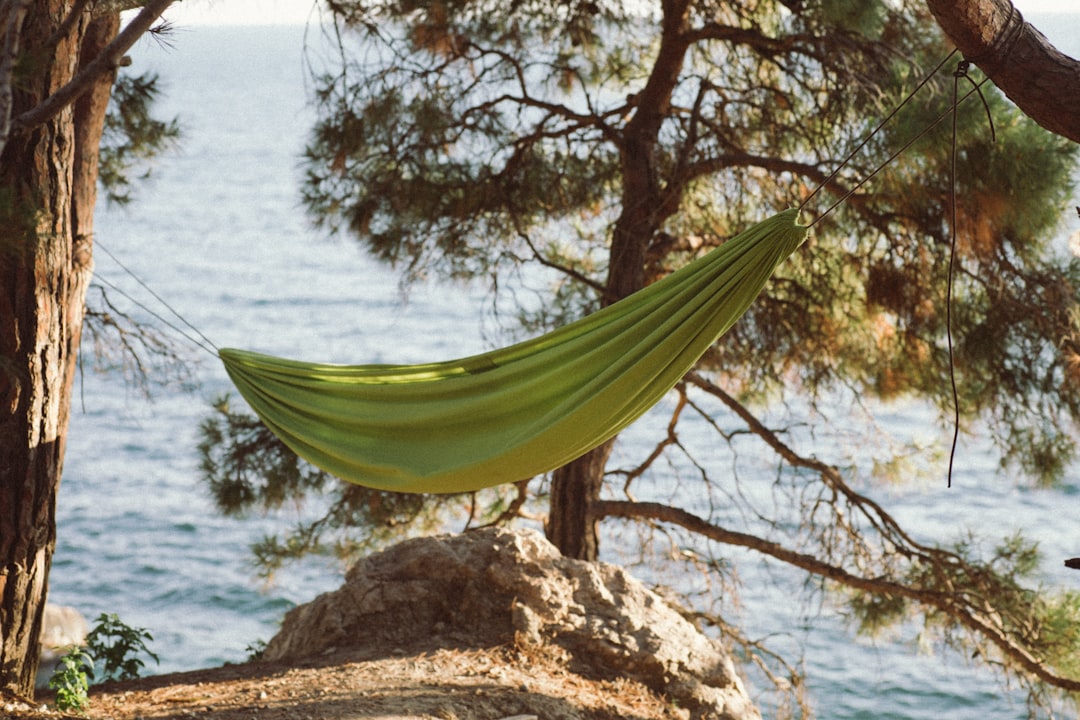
point(519, 411)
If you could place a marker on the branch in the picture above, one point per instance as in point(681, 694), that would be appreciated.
point(512, 511)
point(952, 604)
point(593, 118)
point(775, 165)
point(1042, 81)
point(565, 269)
point(749, 36)
point(105, 7)
point(144, 355)
point(881, 520)
point(963, 592)
point(671, 438)
point(108, 60)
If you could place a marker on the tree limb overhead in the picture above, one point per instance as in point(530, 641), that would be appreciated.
point(1040, 79)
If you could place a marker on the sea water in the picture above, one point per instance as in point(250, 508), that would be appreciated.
point(217, 231)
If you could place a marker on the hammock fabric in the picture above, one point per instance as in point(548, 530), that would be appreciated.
point(520, 411)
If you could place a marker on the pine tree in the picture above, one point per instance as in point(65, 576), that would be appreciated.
point(57, 67)
point(471, 139)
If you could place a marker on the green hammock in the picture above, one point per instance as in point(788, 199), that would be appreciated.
point(523, 410)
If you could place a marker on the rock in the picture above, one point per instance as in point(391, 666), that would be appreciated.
point(62, 627)
point(493, 587)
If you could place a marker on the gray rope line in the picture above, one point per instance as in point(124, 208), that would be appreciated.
point(901, 151)
point(872, 133)
point(198, 338)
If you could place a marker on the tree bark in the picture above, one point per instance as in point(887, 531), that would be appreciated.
point(1043, 82)
point(576, 486)
point(48, 179)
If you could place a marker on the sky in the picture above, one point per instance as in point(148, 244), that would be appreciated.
point(241, 12)
point(296, 12)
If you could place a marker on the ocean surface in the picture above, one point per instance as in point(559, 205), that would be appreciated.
point(217, 231)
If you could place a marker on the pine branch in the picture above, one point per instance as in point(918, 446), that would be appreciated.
point(106, 62)
point(955, 605)
point(105, 7)
point(564, 269)
point(967, 594)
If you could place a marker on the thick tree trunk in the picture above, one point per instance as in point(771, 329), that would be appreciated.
point(48, 177)
point(645, 205)
point(1042, 81)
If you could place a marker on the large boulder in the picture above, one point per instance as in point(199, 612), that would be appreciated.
point(493, 587)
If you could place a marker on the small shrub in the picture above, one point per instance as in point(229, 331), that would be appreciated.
point(255, 650)
point(117, 647)
point(71, 679)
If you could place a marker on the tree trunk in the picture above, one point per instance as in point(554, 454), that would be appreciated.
point(574, 487)
point(48, 179)
point(1042, 81)
point(645, 205)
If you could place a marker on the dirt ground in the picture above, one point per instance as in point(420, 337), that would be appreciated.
point(447, 684)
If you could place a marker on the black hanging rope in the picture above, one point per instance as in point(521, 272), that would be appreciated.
point(957, 100)
point(961, 72)
point(949, 280)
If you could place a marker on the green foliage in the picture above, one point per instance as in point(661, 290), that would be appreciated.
point(984, 604)
point(132, 135)
point(117, 647)
point(865, 18)
point(1029, 613)
point(477, 139)
point(1059, 630)
point(247, 467)
point(111, 643)
point(873, 613)
point(70, 680)
point(256, 650)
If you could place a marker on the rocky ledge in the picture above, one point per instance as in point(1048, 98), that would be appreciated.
point(496, 587)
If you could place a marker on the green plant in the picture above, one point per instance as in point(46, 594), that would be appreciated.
point(255, 650)
point(113, 643)
point(117, 645)
point(70, 680)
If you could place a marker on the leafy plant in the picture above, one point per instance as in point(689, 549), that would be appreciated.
point(113, 643)
point(117, 646)
point(255, 650)
point(132, 135)
point(71, 680)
